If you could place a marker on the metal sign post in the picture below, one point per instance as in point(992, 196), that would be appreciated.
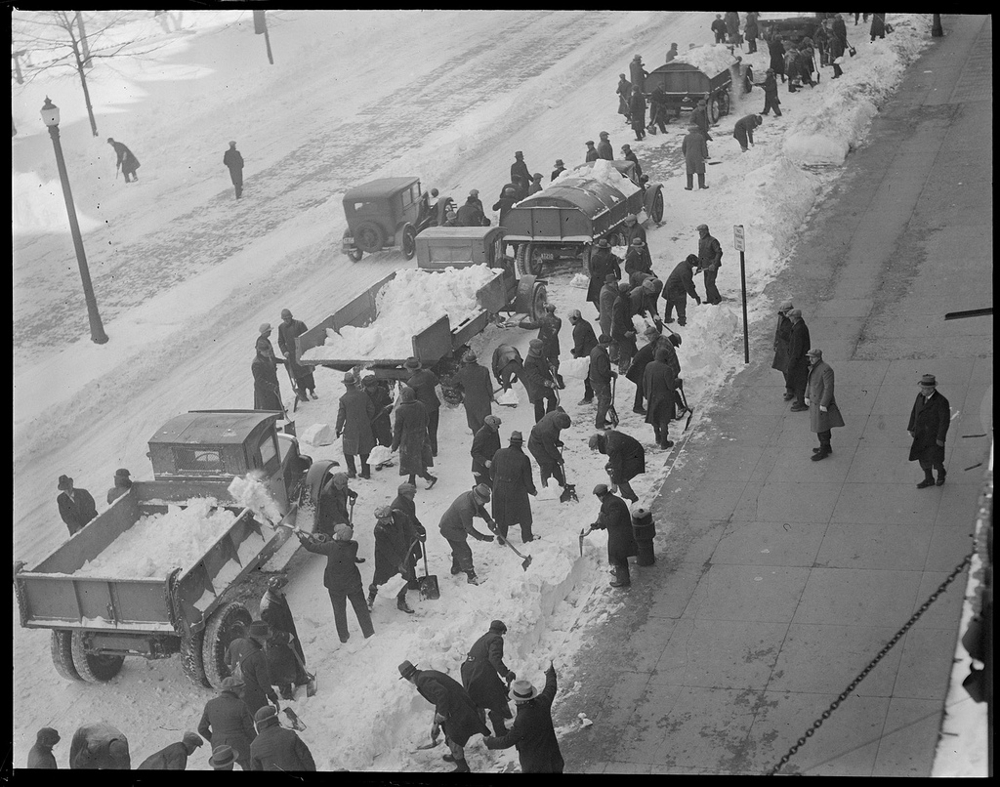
point(739, 241)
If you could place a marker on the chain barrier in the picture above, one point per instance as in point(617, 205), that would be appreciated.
point(871, 665)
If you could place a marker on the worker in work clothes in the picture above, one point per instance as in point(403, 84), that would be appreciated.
point(719, 28)
point(425, 385)
point(629, 155)
point(173, 757)
point(660, 382)
point(257, 684)
point(626, 459)
point(637, 370)
point(544, 445)
point(507, 365)
point(483, 676)
point(520, 176)
point(548, 326)
point(342, 578)
point(592, 154)
point(637, 259)
point(770, 88)
point(485, 444)
point(471, 214)
point(680, 284)
point(532, 733)
point(638, 74)
point(99, 746)
point(709, 262)
point(409, 437)
point(601, 375)
point(622, 330)
point(743, 130)
point(354, 424)
point(615, 518)
point(454, 711)
point(536, 184)
point(274, 611)
point(560, 168)
point(584, 341)
point(604, 148)
point(699, 118)
point(333, 507)
point(456, 526)
point(233, 160)
point(695, 150)
point(41, 757)
point(278, 749)
point(505, 203)
point(643, 296)
point(288, 330)
point(602, 262)
point(382, 402)
point(637, 112)
point(510, 475)
point(478, 391)
point(227, 722)
point(76, 506)
point(397, 548)
point(127, 162)
point(609, 294)
point(122, 482)
point(538, 380)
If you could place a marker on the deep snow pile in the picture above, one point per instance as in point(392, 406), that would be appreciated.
point(710, 59)
point(601, 171)
point(408, 304)
point(158, 543)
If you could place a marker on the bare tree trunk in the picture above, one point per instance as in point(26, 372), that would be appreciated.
point(87, 62)
point(80, 69)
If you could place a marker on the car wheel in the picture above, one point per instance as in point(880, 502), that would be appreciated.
point(369, 237)
point(409, 244)
point(354, 254)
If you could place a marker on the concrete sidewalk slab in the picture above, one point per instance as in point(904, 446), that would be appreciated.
point(769, 544)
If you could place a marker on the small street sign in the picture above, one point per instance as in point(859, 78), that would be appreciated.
point(739, 238)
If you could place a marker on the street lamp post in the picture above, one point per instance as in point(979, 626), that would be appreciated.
point(50, 116)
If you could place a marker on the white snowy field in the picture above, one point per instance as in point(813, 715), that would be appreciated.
point(184, 273)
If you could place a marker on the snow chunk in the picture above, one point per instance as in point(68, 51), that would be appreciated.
point(318, 434)
point(710, 59)
point(251, 492)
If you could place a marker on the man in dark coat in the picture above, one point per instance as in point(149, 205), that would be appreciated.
point(719, 28)
point(634, 231)
point(637, 259)
point(409, 437)
point(536, 184)
point(615, 518)
point(608, 296)
point(505, 203)
point(41, 755)
point(878, 27)
point(76, 506)
point(240, 646)
point(592, 154)
point(282, 665)
point(425, 384)
point(604, 148)
point(257, 682)
point(601, 375)
point(538, 381)
point(836, 45)
point(122, 482)
point(382, 402)
point(548, 326)
point(642, 297)
point(507, 365)
point(397, 546)
point(342, 578)
point(659, 382)
point(510, 476)
point(699, 118)
point(776, 51)
point(797, 371)
point(824, 415)
point(99, 746)
point(560, 168)
point(473, 199)
point(127, 162)
point(709, 262)
point(288, 330)
point(404, 505)
point(533, 733)
point(173, 757)
point(336, 499)
point(234, 161)
point(751, 31)
point(638, 74)
point(658, 110)
point(278, 749)
point(626, 459)
point(227, 722)
point(637, 370)
point(454, 710)
point(782, 339)
point(602, 262)
point(470, 214)
point(457, 525)
point(622, 330)
point(637, 112)
point(928, 426)
point(743, 130)
point(274, 611)
point(584, 341)
point(680, 284)
point(695, 150)
point(732, 20)
point(629, 155)
point(484, 673)
point(485, 444)
point(354, 424)
point(624, 91)
point(477, 389)
point(266, 390)
point(544, 445)
point(771, 101)
point(520, 175)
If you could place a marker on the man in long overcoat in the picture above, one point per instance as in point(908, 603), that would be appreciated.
point(425, 385)
point(616, 519)
point(274, 611)
point(626, 459)
point(510, 474)
point(636, 372)
point(227, 722)
point(538, 381)
point(776, 51)
point(928, 426)
point(76, 506)
point(99, 746)
point(601, 375)
point(484, 673)
point(478, 391)
point(695, 150)
point(456, 526)
point(584, 341)
point(709, 262)
point(288, 330)
point(637, 259)
point(751, 31)
point(409, 437)
point(637, 112)
point(397, 546)
point(381, 399)
point(257, 683)
point(660, 382)
point(638, 74)
point(354, 424)
point(606, 303)
point(782, 340)
point(454, 710)
point(520, 176)
point(173, 757)
point(485, 444)
point(824, 415)
point(797, 372)
point(624, 91)
point(233, 161)
point(699, 118)
point(276, 748)
point(266, 390)
point(533, 733)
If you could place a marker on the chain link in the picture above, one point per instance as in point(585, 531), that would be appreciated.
point(871, 665)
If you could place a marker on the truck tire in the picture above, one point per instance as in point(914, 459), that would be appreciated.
point(713, 109)
point(369, 237)
point(62, 655)
point(528, 263)
point(93, 668)
point(192, 659)
point(354, 254)
point(218, 634)
point(539, 298)
point(408, 243)
point(656, 209)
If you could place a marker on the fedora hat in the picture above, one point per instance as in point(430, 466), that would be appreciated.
point(222, 756)
point(516, 437)
point(406, 669)
point(603, 243)
point(482, 492)
point(928, 379)
point(65, 482)
point(522, 691)
point(412, 363)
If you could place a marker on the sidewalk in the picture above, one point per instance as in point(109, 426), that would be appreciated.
point(778, 579)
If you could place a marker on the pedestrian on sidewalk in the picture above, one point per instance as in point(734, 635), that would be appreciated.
point(533, 733)
point(289, 329)
point(485, 443)
point(234, 161)
point(409, 437)
point(122, 484)
point(695, 150)
point(616, 519)
point(782, 340)
point(928, 426)
point(483, 676)
point(354, 424)
point(601, 374)
point(797, 371)
point(397, 548)
point(709, 262)
point(76, 506)
point(127, 162)
point(824, 415)
point(510, 478)
point(456, 526)
point(584, 341)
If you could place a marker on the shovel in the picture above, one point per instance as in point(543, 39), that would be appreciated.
point(310, 677)
point(294, 719)
point(569, 490)
point(683, 398)
point(526, 561)
point(583, 535)
point(434, 742)
point(612, 412)
point(428, 583)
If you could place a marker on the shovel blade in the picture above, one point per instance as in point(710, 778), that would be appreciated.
point(429, 587)
point(526, 563)
point(311, 685)
point(581, 543)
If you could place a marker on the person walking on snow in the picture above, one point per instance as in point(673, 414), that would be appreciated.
point(709, 261)
point(274, 611)
point(584, 341)
point(743, 130)
point(824, 415)
point(798, 360)
point(397, 548)
point(173, 757)
point(782, 339)
point(289, 329)
point(40, 756)
point(278, 749)
point(127, 162)
point(510, 475)
point(234, 161)
point(616, 519)
point(485, 443)
point(604, 148)
point(454, 711)
point(483, 676)
point(354, 423)
point(695, 150)
point(456, 526)
point(544, 445)
point(626, 459)
point(624, 92)
point(930, 418)
point(227, 722)
point(122, 484)
point(477, 391)
point(533, 733)
point(76, 506)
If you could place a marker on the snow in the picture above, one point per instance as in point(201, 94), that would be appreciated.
point(184, 274)
point(317, 434)
point(411, 302)
point(251, 492)
point(710, 59)
point(598, 171)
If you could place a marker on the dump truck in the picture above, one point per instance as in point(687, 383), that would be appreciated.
point(565, 219)
point(191, 610)
point(437, 248)
point(685, 85)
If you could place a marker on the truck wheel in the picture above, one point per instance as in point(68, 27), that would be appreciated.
point(93, 668)
point(369, 237)
point(192, 660)
point(219, 632)
point(409, 244)
point(724, 104)
point(528, 262)
point(62, 655)
point(656, 210)
point(713, 109)
point(354, 254)
point(539, 298)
